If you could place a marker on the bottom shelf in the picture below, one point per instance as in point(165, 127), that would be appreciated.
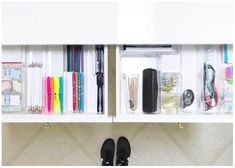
point(178, 118)
point(66, 118)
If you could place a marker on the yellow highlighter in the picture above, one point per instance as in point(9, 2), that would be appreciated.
point(56, 94)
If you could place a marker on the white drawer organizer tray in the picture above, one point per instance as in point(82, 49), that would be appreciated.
point(53, 61)
point(187, 60)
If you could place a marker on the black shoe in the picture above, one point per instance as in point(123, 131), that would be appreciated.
point(107, 152)
point(123, 152)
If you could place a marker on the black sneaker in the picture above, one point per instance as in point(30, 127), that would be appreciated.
point(123, 152)
point(107, 152)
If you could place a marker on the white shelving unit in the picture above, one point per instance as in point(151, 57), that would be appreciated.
point(153, 22)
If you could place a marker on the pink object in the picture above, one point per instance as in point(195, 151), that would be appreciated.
point(48, 94)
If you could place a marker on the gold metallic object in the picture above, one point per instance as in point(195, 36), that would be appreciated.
point(47, 125)
point(169, 102)
point(180, 126)
point(170, 98)
point(168, 84)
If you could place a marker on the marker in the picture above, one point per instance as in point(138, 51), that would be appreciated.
point(52, 94)
point(48, 94)
point(61, 95)
point(56, 95)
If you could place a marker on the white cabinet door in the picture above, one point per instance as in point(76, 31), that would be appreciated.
point(175, 22)
point(117, 22)
point(59, 22)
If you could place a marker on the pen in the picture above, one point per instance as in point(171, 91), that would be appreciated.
point(225, 53)
point(74, 90)
point(68, 58)
point(74, 61)
point(78, 78)
point(81, 81)
point(77, 60)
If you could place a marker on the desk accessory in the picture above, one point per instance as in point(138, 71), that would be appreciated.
point(133, 82)
point(49, 96)
point(126, 91)
point(61, 94)
point(150, 90)
point(188, 98)
point(12, 77)
point(100, 77)
point(81, 80)
point(170, 92)
point(34, 87)
point(210, 90)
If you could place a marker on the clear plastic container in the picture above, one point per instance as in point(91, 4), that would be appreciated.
point(226, 80)
point(13, 79)
point(170, 93)
point(12, 73)
point(208, 62)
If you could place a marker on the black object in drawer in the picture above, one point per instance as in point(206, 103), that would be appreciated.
point(150, 90)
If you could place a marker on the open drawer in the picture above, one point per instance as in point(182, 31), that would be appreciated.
point(54, 83)
point(179, 83)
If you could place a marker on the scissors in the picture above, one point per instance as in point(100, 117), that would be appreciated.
point(100, 77)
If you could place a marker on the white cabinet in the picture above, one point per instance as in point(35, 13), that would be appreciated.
point(118, 22)
point(186, 60)
point(43, 29)
point(54, 64)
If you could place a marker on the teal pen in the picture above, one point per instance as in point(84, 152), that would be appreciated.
point(225, 53)
point(81, 90)
point(61, 95)
point(81, 81)
point(78, 68)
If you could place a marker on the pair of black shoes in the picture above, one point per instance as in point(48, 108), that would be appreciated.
point(122, 154)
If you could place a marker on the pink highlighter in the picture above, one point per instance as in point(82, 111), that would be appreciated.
point(48, 94)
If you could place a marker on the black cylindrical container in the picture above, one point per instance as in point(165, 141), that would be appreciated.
point(150, 90)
